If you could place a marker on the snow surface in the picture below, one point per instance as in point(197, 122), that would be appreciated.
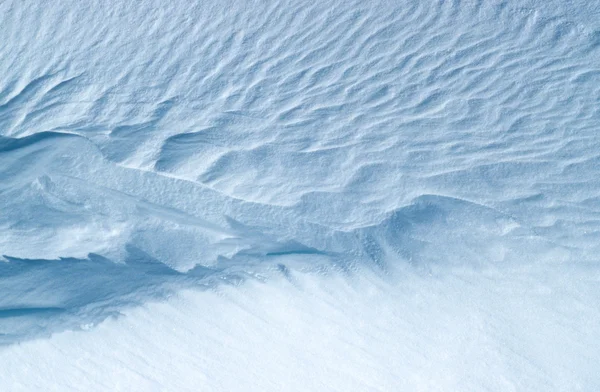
point(300, 195)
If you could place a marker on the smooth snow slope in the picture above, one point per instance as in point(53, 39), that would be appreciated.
point(278, 195)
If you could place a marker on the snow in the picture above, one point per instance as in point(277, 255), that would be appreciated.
point(299, 195)
point(521, 329)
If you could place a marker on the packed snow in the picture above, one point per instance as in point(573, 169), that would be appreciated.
point(300, 195)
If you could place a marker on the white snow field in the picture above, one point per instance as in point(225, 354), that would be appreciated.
point(299, 195)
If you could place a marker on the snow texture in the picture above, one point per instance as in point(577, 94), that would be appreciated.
point(300, 195)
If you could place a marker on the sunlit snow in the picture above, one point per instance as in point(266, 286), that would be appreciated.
point(299, 195)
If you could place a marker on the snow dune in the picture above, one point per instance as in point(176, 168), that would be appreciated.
point(299, 195)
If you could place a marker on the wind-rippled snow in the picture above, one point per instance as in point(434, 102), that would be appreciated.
point(300, 195)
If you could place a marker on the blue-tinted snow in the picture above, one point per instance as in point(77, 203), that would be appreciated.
point(403, 188)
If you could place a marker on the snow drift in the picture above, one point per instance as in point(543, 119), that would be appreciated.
point(299, 195)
